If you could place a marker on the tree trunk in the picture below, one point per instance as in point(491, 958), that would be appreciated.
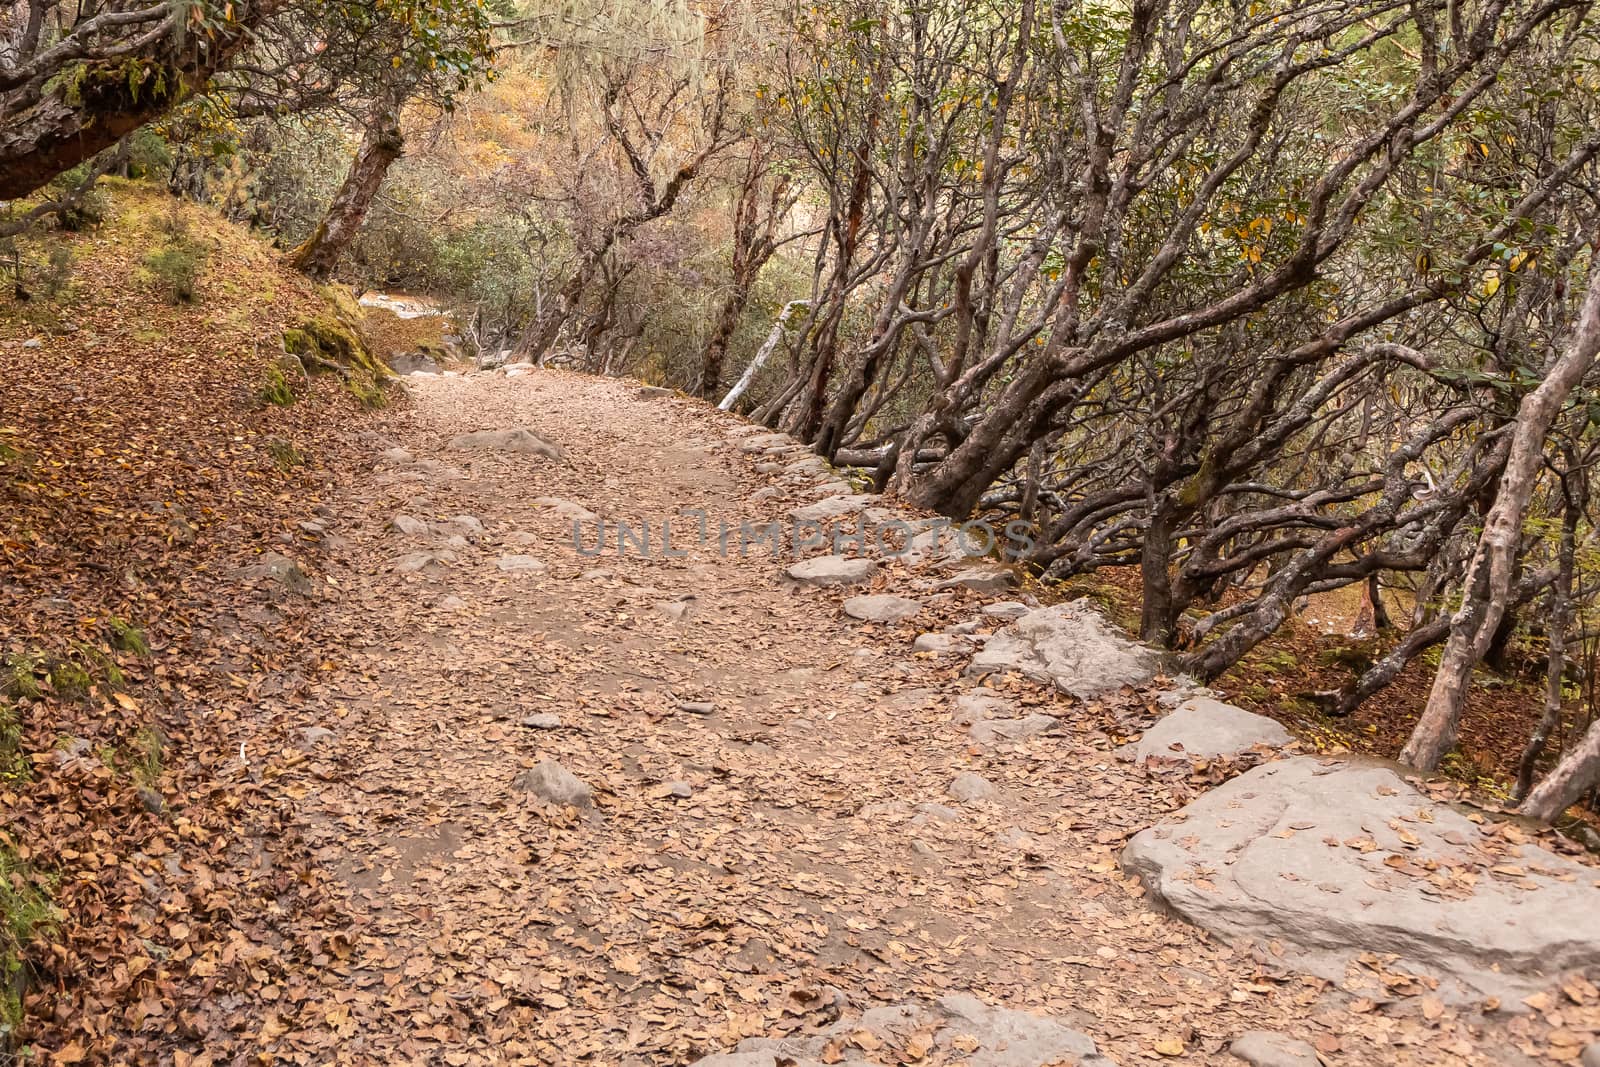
point(51, 124)
point(380, 147)
point(1489, 576)
point(1156, 622)
point(709, 380)
point(1555, 670)
point(1576, 774)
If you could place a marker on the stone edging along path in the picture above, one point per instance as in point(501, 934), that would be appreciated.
point(1327, 861)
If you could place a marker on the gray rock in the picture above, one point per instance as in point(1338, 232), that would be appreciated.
point(553, 782)
point(653, 392)
point(768, 468)
point(832, 571)
point(938, 812)
point(770, 492)
point(151, 801)
point(1209, 729)
point(312, 736)
point(1071, 647)
point(833, 507)
point(881, 608)
point(989, 731)
point(982, 579)
point(943, 644)
point(1263, 1048)
point(33, 342)
point(468, 525)
point(979, 704)
point(452, 603)
point(424, 562)
point(1006, 609)
point(281, 569)
point(413, 363)
point(566, 509)
point(1329, 860)
point(761, 442)
point(543, 721)
point(518, 440)
point(680, 789)
point(963, 1028)
point(517, 564)
point(698, 707)
point(969, 787)
point(677, 610)
point(396, 457)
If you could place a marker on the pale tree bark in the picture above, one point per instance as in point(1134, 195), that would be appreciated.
point(380, 147)
point(1576, 774)
point(1493, 568)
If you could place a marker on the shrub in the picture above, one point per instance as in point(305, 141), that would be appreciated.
point(55, 277)
point(176, 269)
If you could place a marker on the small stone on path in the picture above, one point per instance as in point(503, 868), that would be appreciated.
point(553, 782)
point(881, 608)
point(989, 731)
point(543, 721)
point(943, 644)
point(410, 525)
point(981, 579)
point(1263, 1048)
point(424, 562)
point(522, 564)
point(517, 440)
point(970, 787)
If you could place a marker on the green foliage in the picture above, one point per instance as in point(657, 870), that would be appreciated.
point(71, 680)
point(127, 637)
point(14, 763)
point(143, 756)
point(20, 679)
point(369, 392)
point(275, 388)
point(284, 454)
point(54, 279)
point(176, 268)
point(91, 207)
point(26, 914)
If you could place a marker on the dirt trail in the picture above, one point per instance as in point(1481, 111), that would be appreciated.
point(492, 928)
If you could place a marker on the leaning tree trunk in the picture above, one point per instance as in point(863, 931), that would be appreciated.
point(380, 147)
point(1490, 574)
point(1576, 774)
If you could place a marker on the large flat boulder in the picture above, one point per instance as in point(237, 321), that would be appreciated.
point(1209, 729)
point(957, 1029)
point(1070, 646)
point(1329, 860)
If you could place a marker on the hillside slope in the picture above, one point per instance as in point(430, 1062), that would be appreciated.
point(159, 453)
